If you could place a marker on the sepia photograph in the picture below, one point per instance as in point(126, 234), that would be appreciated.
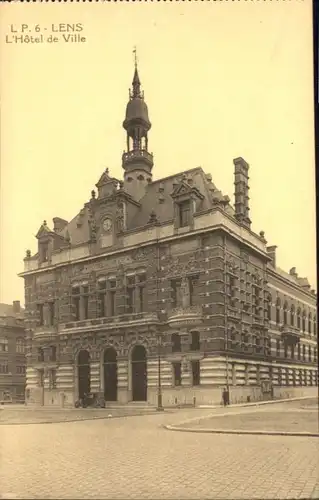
point(158, 274)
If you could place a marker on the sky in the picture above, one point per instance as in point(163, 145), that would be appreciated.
point(221, 80)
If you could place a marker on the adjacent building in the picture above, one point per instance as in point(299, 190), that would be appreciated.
point(12, 353)
point(159, 288)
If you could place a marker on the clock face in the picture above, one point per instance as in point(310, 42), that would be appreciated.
point(107, 224)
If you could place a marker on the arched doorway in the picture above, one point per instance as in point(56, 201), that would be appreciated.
point(139, 373)
point(84, 373)
point(110, 374)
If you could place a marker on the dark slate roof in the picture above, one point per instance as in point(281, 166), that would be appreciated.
point(158, 196)
point(157, 199)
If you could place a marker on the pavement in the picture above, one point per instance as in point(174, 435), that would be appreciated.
point(27, 416)
point(300, 419)
point(135, 457)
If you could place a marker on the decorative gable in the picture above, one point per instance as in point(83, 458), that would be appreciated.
point(107, 185)
point(44, 231)
point(185, 190)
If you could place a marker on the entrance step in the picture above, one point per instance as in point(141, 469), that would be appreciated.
point(132, 405)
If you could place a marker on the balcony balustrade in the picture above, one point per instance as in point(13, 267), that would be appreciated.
point(122, 321)
point(45, 333)
point(290, 334)
point(135, 155)
point(180, 317)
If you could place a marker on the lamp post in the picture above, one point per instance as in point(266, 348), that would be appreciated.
point(159, 380)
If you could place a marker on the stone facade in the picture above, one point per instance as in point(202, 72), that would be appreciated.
point(12, 353)
point(163, 283)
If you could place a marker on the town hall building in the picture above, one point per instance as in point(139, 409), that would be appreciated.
point(158, 291)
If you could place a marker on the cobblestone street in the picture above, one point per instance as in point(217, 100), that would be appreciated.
point(136, 458)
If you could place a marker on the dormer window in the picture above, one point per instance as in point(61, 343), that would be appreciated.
point(184, 213)
point(44, 252)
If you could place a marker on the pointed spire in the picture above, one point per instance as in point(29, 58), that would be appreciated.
point(136, 79)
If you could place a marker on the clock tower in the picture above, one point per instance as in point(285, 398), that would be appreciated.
point(137, 161)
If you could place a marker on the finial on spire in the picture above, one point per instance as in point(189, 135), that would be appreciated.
point(136, 84)
point(135, 56)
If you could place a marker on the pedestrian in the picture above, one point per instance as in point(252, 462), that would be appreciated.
point(225, 397)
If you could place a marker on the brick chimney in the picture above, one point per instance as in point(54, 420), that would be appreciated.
point(59, 224)
point(272, 254)
point(241, 192)
point(293, 272)
point(16, 306)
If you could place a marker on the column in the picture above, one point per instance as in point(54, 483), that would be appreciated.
point(123, 380)
point(95, 371)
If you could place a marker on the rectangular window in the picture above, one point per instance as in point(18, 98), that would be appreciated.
point(51, 313)
point(177, 367)
point(21, 370)
point(298, 352)
point(286, 351)
point(40, 355)
point(112, 296)
point(309, 353)
point(4, 367)
point(53, 353)
point(176, 342)
point(85, 298)
point(4, 345)
point(192, 282)
point(40, 314)
point(175, 294)
point(20, 346)
point(101, 298)
point(184, 214)
point(141, 280)
point(195, 343)
point(232, 283)
point(196, 372)
point(277, 348)
point(130, 287)
point(44, 250)
point(278, 315)
point(76, 303)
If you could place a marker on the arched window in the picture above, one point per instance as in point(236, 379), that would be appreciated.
point(278, 305)
point(20, 346)
point(292, 315)
point(285, 313)
point(299, 318)
point(4, 345)
point(310, 322)
point(304, 321)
